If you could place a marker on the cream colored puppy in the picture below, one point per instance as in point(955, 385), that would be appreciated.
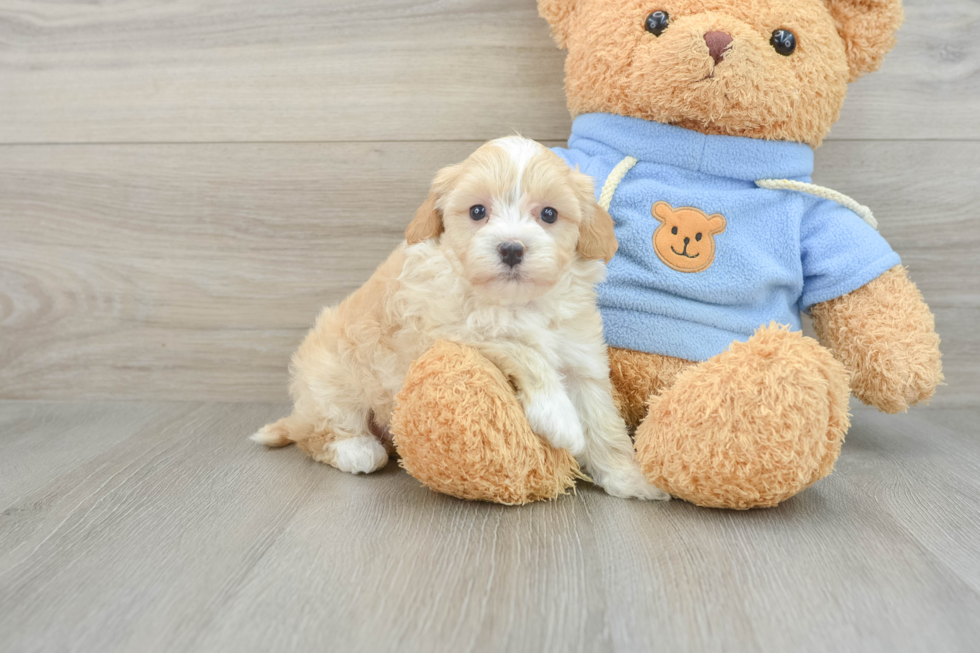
point(502, 257)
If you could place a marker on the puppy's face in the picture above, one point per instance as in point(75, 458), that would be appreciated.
point(516, 217)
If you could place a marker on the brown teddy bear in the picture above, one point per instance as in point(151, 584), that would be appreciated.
point(697, 120)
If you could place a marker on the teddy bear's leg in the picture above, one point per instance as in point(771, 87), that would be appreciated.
point(885, 334)
point(636, 376)
point(750, 427)
point(460, 430)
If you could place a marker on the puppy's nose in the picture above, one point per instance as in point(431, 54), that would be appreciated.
point(511, 253)
point(718, 43)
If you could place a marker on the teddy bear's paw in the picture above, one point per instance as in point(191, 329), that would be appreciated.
point(629, 483)
point(885, 334)
point(750, 427)
point(552, 416)
point(461, 430)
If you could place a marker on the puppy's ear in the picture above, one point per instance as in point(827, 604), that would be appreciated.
point(427, 222)
point(597, 235)
point(559, 14)
point(868, 28)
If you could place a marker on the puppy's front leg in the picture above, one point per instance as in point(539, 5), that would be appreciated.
point(609, 457)
point(549, 411)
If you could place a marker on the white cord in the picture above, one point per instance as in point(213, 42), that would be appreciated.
point(819, 191)
point(624, 166)
point(612, 181)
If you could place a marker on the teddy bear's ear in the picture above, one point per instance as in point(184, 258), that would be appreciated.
point(662, 211)
point(559, 14)
point(717, 223)
point(868, 28)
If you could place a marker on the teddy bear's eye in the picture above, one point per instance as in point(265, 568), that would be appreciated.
point(657, 22)
point(784, 41)
point(698, 238)
point(674, 231)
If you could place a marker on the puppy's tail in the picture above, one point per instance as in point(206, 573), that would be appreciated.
point(283, 433)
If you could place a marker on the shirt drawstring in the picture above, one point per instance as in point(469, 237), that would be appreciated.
point(863, 212)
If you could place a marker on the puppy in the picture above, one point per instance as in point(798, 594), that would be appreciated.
point(503, 256)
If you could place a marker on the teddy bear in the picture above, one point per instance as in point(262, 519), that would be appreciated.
point(698, 121)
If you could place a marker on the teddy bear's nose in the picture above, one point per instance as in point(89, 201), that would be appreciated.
point(718, 43)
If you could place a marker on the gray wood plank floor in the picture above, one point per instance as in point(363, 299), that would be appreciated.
point(158, 527)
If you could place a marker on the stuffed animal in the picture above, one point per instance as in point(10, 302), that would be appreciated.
point(698, 122)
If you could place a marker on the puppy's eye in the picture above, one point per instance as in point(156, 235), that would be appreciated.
point(549, 215)
point(657, 22)
point(698, 238)
point(478, 212)
point(674, 231)
point(784, 42)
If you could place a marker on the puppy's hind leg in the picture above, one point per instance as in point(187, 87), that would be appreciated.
point(357, 452)
point(283, 432)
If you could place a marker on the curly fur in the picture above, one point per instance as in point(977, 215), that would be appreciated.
point(751, 427)
point(534, 318)
point(615, 66)
point(765, 419)
point(461, 431)
point(636, 376)
point(885, 334)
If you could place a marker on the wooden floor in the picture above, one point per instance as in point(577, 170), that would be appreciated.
point(184, 184)
point(159, 527)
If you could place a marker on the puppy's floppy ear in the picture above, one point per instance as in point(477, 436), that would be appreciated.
point(428, 219)
point(559, 14)
point(868, 28)
point(597, 235)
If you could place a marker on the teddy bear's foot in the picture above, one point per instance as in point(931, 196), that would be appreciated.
point(751, 427)
point(460, 430)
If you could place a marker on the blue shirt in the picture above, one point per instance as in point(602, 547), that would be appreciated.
point(751, 257)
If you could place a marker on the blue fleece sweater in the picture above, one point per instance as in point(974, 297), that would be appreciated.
point(705, 256)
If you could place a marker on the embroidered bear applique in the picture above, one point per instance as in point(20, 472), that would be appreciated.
point(685, 239)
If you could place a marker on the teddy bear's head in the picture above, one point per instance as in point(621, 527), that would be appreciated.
point(773, 69)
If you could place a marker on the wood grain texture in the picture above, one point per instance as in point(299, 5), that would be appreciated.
point(158, 527)
point(339, 70)
point(190, 272)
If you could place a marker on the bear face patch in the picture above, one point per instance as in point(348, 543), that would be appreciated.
point(685, 239)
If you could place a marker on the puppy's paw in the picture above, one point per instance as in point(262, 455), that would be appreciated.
point(359, 455)
point(629, 483)
point(553, 417)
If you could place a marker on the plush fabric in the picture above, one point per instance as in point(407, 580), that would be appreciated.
point(460, 430)
point(615, 66)
point(887, 315)
point(636, 376)
point(763, 417)
point(751, 427)
point(778, 252)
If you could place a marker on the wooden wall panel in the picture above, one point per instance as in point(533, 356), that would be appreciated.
point(192, 271)
point(340, 70)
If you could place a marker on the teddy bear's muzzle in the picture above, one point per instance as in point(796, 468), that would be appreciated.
point(718, 44)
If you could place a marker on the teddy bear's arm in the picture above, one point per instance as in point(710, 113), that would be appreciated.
point(885, 335)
